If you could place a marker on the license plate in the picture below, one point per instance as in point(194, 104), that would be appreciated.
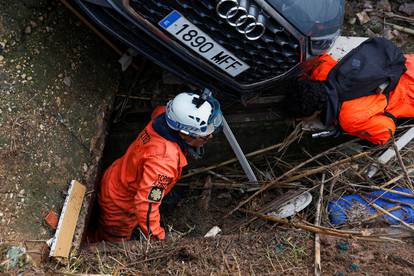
point(202, 44)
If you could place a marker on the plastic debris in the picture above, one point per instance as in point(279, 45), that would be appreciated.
point(212, 232)
point(353, 208)
point(280, 248)
point(343, 246)
point(16, 257)
point(293, 206)
point(353, 267)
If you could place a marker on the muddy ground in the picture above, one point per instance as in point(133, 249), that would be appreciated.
point(54, 87)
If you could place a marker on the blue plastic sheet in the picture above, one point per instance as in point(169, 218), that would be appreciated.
point(340, 208)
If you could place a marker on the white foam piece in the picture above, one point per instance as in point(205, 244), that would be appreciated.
point(344, 44)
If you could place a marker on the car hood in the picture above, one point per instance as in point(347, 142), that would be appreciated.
point(312, 17)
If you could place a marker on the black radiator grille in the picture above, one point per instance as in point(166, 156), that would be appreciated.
point(272, 55)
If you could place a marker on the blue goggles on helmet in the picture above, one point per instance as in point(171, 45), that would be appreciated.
point(216, 117)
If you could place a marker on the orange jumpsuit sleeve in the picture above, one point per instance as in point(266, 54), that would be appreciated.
point(325, 65)
point(365, 121)
point(157, 176)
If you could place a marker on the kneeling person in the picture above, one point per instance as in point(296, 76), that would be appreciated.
point(133, 187)
point(371, 116)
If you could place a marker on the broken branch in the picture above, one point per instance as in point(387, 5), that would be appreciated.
point(318, 268)
point(401, 28)
point(299, 176)
point(323, 230)
point(400, 161)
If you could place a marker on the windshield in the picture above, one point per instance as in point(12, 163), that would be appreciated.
point(312, 17)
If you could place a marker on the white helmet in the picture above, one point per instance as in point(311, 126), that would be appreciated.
point(192, 115)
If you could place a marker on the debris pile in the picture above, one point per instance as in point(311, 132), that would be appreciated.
point(354, 198)
point(372, 209)
point(390, 19)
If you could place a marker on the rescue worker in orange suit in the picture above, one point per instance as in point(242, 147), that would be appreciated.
point(133, 187)
point(368, 117)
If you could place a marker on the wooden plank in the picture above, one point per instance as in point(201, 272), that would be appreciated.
point(68, 219)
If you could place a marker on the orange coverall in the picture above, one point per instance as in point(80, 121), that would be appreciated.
point(364, 117)
point(133, 187)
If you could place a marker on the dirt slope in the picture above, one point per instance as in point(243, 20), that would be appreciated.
point(54, 86)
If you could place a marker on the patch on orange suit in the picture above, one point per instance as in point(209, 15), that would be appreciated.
point(155, 194)
point(163, 181)
point(144, 137)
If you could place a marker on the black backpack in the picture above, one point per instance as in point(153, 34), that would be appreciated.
point(375, 66)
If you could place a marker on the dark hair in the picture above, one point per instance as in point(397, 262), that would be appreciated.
point(304, 98)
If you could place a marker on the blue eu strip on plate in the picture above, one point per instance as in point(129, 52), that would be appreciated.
point(170, 19)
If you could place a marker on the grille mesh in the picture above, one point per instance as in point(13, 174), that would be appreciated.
point(275, 53)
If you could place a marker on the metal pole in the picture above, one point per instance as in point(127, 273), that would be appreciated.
point(238, 151)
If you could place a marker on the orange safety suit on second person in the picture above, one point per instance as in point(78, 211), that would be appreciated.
point(364, 117)
point(134, 185)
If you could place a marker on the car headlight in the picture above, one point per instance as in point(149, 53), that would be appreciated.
point(320, 45)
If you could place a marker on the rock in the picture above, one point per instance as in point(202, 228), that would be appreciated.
point(384, 5)
point(388, 34)
point(58, 101)
point(368, 5)
point(60, 75)
point(407, 8)
point(352, 20)
point(1, 58)
point(396, 33)
point(67, 81)
point(363, 17)
point(22, 192)
point(376, 25)
point(23, 76)
point(33, 24)
point(370, 33)
point(29, 78)
point(28, 30)
point(18, 67)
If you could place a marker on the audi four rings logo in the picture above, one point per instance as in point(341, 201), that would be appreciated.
point(243, 16)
